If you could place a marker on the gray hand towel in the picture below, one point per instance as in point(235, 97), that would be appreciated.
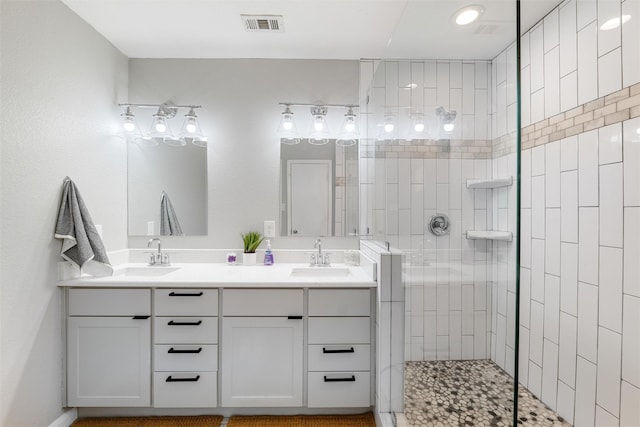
point(169, 224)
point(81, 244)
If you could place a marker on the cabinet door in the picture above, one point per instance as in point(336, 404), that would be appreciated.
point(261, 361)
point(108, 361)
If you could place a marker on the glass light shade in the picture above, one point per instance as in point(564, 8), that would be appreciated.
point(160, 127)
point(190, 127)
point(130, 129)
point(287, 130)
point(389, 128)
point(349, 133)
point(319, 133)
point(175, 141)
point(200, 141)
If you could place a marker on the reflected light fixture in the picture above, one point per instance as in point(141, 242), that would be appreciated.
point(287, 129)
point(349, 133)
point(319, 134)
point(468, 14)
point(614, 23)
point(447, 119)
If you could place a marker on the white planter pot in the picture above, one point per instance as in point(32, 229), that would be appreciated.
point(249, 259)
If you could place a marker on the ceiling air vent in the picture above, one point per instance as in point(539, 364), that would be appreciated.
point(263, 23)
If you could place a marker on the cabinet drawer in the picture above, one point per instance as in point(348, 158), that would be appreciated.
point(185, 302)
point(185, 357)
point(334, 390)
point(339, 302)
point(339, 357)
point(109, 302)
point(339, 330)
point(262, 302)
point(186, 330)
point(185, 390)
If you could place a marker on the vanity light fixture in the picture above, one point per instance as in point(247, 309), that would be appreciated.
point(319, 134)
point(447, 119)
point(349, 133)
point(614, 23)
point(160, 129)
point(287, 129)
point(468, 14)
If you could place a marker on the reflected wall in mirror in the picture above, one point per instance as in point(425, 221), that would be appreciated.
point(179, 172)
point(318, 190)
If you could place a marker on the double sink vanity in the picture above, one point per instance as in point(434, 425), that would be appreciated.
point(211, 335)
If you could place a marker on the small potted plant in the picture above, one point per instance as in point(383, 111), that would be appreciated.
point(251, 242)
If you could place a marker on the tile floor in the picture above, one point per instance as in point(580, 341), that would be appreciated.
point(468, 393)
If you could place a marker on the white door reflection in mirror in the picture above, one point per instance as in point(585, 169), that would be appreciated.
point(310, 197)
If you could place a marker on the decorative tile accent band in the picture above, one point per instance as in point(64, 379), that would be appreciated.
point(607, 110)
point(429, 149)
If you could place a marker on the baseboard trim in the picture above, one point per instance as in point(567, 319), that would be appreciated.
point(66, 419)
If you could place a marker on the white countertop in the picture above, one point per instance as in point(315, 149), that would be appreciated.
point(217, 275)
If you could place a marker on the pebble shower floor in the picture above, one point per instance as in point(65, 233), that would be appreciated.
point(468, 393)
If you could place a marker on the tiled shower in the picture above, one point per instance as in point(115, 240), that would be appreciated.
point(579, 276)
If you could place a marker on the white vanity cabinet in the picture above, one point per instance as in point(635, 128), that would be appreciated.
point(185, 348)
point(108, 347)
point(262, 347)
point(339, 348)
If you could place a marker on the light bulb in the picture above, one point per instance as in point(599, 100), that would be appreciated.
point(129, 126)
point(287, 125)
point(419, 127)
point(349, 127)
point(448, 127)
point(318, 126)
point(161, 127)
point(638, 131)
point(191, 128)
point(467, 17)
point(388, 127)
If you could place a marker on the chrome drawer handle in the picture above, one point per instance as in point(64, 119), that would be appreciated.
point(337, 380)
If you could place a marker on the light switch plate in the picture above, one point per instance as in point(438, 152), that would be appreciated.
point(269, 229)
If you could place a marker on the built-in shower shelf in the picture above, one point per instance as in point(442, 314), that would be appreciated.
point(490, 183)
point(505, 236)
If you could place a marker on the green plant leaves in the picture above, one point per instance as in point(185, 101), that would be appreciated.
point(251, 241)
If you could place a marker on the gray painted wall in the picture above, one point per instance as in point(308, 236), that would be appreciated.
point(61, 81)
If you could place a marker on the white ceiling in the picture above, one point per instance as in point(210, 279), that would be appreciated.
point(314, 29)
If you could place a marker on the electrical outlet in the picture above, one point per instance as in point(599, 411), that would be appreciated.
point(269, 229)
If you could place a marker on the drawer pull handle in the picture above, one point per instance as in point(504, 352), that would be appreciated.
point(140, 317)
point(172, 323)
point(294, 317)
point(341, 350)
point(185, 294)
point(170, 379)
point(340, 380)
point(174, 351)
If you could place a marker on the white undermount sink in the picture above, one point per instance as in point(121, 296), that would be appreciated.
point(150, 271)
point(320, 271)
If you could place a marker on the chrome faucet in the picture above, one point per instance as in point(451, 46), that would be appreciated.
point(158, 257)
point(319, 259)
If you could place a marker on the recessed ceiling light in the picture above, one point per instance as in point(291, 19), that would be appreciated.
point(468, 14)
point(614, 23)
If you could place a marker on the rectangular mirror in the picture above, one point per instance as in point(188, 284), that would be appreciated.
point(178, 172)
point(318, 190)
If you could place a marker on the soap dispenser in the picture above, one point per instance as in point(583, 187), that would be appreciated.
point(268, 255)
